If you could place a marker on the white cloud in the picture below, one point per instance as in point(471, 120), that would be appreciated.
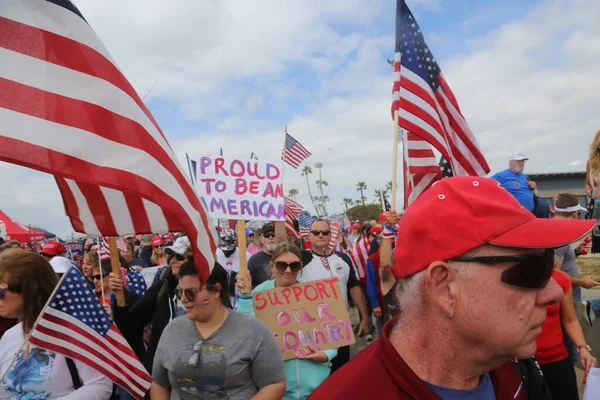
point(528, 86)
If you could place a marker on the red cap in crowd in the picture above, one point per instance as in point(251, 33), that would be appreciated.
point(459, 214)
point(376, 230)
point(382, 216)
point(53, 248)
point(156, 240)
point(356, 225)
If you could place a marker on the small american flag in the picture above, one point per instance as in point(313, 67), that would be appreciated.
point(305, 221)
point(52, 61)
point(136, 282)
point(104, 249)
point(293, 152)
point(292, 209)
point(74, 323)
point(421, 169)
point(335, 231)
point(425, 104)
point(359, 256)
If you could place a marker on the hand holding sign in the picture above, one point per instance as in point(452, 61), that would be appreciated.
point(244, 282)
point(317, 356)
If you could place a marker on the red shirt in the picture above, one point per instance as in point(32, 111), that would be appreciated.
point(378, 372)
point(550, 345)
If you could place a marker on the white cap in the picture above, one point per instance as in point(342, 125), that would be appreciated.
point(517, 157)
point(180, 246)
point(60, 265)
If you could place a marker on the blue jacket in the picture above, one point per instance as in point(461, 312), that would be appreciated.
point(302, 376)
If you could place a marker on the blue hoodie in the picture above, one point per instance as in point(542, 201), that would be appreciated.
point(302, 376)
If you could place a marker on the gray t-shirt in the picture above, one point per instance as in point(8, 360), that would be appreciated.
point(258, 265)
point(567, 255)
point(236, 361)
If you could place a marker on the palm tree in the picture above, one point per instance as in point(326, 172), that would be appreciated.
point(320, 184)
point(346, 202)
point(388, 186)
point(293, 193)
point(361, 187)
point(305, 172)
point(377, 194)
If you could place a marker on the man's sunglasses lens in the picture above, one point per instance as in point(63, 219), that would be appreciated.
point(281, 266)
point(532, 273)
point(268, 235)
point(317, 233)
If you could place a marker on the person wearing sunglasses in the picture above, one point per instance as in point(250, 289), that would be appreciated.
point(258, 264)
point(29, 372)
point(474, 279)
point(159, 304)
point(159, 258)
point(320, 262)
point(214, 352)
point(304, 374)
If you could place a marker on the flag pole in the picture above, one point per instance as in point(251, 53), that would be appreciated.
point(381, 197)
point(408, 176)
point(240, 228)
point(116, 269)
point(395, 161)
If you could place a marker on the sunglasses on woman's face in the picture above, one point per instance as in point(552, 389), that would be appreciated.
point(158, 246)
point(533, 271)
point(282, 266)
point(178, 257)
point(190, 293)
point(97, 277)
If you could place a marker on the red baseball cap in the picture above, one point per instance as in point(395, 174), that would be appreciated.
point(376, 230)
point(382, 216)
point(459, 214)
point(356, 225)
point(157, 240)
point(52, 248)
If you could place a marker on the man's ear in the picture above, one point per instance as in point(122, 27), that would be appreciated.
point(440, 287)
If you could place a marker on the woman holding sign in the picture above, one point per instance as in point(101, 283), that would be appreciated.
point(305, 373)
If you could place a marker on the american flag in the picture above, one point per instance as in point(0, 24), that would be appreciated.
point(104, 248)
point(305, 221)
point(446, 168)
point(292, 209)
point(421, 169)
point(136, 282)
point(335, 231)
point(425, 104)
point(74, 323)
point(359, 256)
point(293, 152)
point(115, 169)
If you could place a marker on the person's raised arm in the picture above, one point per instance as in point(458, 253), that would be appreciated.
point(280, 232)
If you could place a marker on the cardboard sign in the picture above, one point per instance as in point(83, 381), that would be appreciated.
point(149, 274)
point(239, 189)
point(306, 314)
point(75, 252)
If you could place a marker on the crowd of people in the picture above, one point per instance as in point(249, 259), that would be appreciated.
point(472, 292)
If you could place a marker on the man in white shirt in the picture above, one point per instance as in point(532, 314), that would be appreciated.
point(228, 256)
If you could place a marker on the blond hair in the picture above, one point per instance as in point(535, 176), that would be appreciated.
point(594, 157)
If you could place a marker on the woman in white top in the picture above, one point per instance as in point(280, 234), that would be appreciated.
point(27, 371)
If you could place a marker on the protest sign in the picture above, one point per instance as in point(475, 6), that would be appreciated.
point(239, 189)
point(75, 252)
point(149, 274)
point(306, 314)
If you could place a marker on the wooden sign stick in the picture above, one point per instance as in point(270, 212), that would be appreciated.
point(240, 229)
point(116, 268)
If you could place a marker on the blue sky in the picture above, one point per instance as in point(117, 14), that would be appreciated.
point(233, 74)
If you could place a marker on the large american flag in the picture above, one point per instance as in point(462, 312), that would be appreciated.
point(291, 210)
point(67, 109)
point(293, 152)
point(421, 169)
point(74, 323)
point(425, 104)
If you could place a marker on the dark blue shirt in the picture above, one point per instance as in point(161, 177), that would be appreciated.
point(485, 391)
point(516, 184)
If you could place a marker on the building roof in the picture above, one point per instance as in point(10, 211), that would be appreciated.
point(546, 176)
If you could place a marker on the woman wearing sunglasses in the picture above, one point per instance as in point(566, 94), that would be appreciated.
point(304, 374)
point(215, 353)
point(27, 371)
point(159, 258)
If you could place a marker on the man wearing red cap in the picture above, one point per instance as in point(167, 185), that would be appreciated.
point(53, 249)
point(474, 275)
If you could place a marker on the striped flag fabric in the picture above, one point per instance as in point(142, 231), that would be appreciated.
point(425, 103)
point(74, 323)
point(104, 249)
point(359, 256)
point(115, 169)
point(305, 221)
point(291, 210)
point(293, 152)
point(421, 169)
point(335, 232)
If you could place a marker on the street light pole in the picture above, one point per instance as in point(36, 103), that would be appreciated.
point(319, 166)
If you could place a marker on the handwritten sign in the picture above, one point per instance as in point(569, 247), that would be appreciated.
point(149, 274)
point(306, 314)
point(239, 189)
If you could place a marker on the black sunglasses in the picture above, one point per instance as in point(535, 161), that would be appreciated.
point(282, 266)
point(178, 257)
point(97, 277)
point(158, 246)
point(268, 235)
point(190, 293)
point(317, 233)
point(533, 271)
